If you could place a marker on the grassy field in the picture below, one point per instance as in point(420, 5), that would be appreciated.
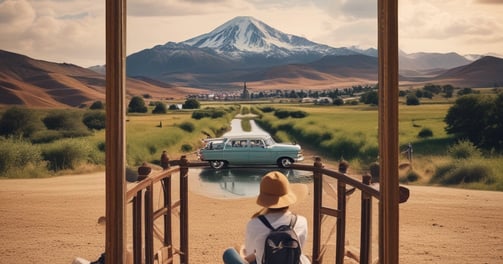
point(333, 132)
point(351, 132)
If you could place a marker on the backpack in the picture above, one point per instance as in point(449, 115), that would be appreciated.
point(282, 244)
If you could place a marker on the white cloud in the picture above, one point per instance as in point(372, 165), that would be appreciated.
point(15, 17)
point(74, 30)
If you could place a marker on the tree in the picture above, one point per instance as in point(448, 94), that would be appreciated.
point(97, 105)
point(412, 100)
point(468, 117)
point(370, 97)
point(191, 104)
point(160, 108)
point(95, 120)
point(494, 134)
point(19, 122)
point(63, 120)
point(137, 105)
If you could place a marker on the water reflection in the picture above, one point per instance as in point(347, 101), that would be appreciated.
point(241, 182)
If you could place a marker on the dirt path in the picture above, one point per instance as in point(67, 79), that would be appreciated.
point(54, 220)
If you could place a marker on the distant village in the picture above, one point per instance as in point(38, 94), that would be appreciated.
point(304, 96)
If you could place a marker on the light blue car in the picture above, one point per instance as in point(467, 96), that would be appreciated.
point(249, 150)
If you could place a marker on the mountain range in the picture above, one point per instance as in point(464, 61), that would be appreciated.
point(242, 49)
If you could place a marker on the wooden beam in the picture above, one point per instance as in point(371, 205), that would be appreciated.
point(115, 139)
point(388, 128)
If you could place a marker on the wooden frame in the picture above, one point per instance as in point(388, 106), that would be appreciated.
point(115, 132)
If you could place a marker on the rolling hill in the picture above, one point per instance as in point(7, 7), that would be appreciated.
point(43, 84)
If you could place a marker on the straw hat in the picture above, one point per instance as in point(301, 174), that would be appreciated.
point(276, 191)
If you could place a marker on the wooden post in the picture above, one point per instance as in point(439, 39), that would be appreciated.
point(115, 242)
point(149, 225)
point(137, 240)
point(388, 127)
point(340, 242)
point(168, 241)
point(184, 210)
point(317, 210)
point(366, 225)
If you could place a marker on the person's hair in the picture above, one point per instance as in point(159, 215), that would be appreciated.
point(264, 211)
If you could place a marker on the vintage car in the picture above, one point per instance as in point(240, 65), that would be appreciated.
point(249, 150)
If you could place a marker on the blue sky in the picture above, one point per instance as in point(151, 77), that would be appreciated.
point(73, 31)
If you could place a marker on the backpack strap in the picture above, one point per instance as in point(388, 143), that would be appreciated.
point(264, 220)
point(293, 221)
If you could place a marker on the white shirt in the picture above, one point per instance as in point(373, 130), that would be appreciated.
point(256, 233)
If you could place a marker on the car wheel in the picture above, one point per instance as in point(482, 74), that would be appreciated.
point(217, 164)
point(284, 162)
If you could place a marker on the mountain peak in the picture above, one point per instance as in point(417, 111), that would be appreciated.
point(243, 35)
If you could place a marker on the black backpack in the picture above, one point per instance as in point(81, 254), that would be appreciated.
point(282, 244)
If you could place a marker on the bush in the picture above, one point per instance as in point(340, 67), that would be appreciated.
point(187, 126)
point(67, 154)
point(412, 100)
point(464, 149)
point(95, 120)
point(64, 120)
point(19, 155)
point(137, 105)
point(412, 176)
point(191, 104)
point(160, 108)
point(462, 172)
point(97, 105)
point(281, 114)
point(267, 109)
point(46, 136)
point(425, 132)
point(186, 148)
point(19, 123)
point(338, 101)
point(298, 114)
point(173, 107)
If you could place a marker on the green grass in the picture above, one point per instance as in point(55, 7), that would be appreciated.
point(332, 131)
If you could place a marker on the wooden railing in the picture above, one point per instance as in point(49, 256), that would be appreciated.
point(140, 196)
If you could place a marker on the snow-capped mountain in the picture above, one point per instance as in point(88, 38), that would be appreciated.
point(246, 49)
point(246, 36)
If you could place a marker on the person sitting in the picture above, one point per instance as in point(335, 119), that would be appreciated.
point(276, 196)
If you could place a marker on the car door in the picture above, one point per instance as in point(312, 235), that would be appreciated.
point(236, 151)
point(258, 152)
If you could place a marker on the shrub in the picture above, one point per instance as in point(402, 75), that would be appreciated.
point(412, 99)
point(173, 107)
point(160, 108)
point(267, 109)
point(298, 114)
point(281, 114)
point(425, 132)
point(191, 104)
point(412, 176)
point(66, 154)
point(217, 114)
point(64, 120)
point(95, 120)
point(464, 149)
point(97, 105)
point(461, 172)
point(186, 148)
point(187, 126)
point(19, 123)
point(137, 105)
point(20, 155)
point(46, 136)
point(338, 101)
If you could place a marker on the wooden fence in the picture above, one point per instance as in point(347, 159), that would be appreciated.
point(140, 197)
